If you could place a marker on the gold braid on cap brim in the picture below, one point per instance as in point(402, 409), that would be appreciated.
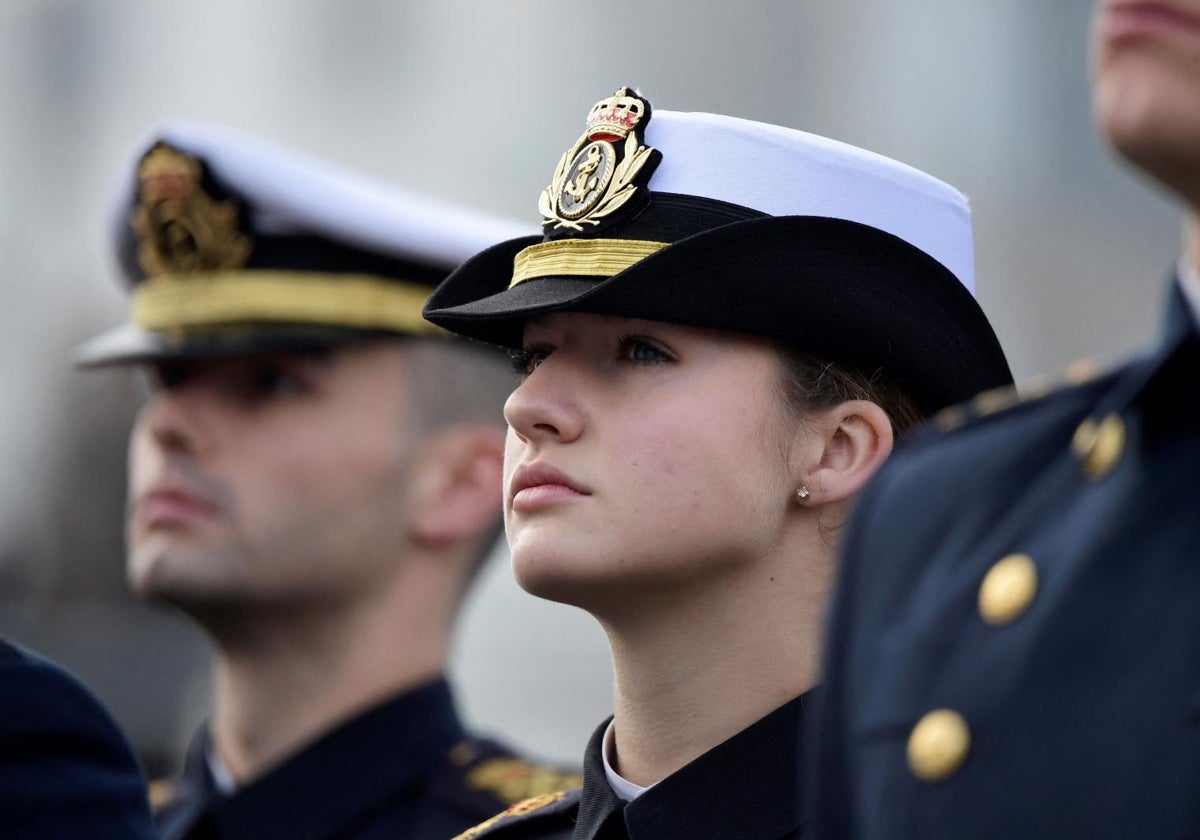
point(580, 258)
point(220, 298)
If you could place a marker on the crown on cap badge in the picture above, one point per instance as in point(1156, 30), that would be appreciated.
point(596, 177)
point(181, 228)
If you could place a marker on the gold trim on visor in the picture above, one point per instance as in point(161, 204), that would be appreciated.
point(580, 258)
point(208, 299)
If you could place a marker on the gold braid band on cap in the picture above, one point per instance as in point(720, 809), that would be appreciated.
point(359, 301)
point(580, 258)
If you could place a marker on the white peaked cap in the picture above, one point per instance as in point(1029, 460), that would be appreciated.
point(233, 244)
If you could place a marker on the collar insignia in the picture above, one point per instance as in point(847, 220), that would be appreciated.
point(513, 780)
point(181, 229)
point(600, 173)
point(512, 813)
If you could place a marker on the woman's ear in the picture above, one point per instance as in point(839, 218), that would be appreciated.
point(856, 438)
point(457, 493)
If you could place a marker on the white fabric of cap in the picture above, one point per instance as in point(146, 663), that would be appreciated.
point(784, 172)
point(293, 193)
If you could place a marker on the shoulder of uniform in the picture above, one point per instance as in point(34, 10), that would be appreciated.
point(162, 794)
point(483, 776)
point(1079, 376)
point(560, 805)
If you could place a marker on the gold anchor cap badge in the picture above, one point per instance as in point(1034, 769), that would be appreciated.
point(180, 228)
point(600, 173)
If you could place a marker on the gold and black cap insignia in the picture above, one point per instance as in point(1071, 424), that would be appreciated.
point(233, 245)
point(180, 228)
point(605, 169)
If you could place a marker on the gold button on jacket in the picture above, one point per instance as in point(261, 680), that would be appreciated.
point(1099, 445)
point(1007, 589)
point(938, 745)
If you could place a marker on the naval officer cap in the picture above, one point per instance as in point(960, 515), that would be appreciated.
point(233, 245)
point(725, 223)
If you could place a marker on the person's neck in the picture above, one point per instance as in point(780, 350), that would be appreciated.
point(284, 679)
point(693, 675)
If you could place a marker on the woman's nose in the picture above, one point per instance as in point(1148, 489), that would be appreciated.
point(545, 407)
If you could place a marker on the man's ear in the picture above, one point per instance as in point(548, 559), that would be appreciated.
point(457, 485)
point(855, 438)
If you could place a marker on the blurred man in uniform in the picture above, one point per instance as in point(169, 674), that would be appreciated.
point(65, 768)
point(315, 480)
point(1015, 648)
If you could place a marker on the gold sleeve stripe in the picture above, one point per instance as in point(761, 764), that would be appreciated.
point(219, 298)
point(580, 257)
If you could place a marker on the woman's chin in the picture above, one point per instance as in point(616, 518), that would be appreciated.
point(553, 578)
point(579, 580)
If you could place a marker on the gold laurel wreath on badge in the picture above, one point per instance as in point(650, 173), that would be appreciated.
point(181, 229)
point(589, 183)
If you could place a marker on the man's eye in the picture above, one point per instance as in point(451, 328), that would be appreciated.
point(275, 382)
point(165, 376)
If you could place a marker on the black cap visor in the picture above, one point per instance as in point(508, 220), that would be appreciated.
point(130, 344)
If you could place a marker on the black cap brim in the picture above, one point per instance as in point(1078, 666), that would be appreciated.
point(130, 344)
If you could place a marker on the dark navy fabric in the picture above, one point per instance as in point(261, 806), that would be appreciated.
point(404, 769)
point(66, 770)
point(742, 789)
point(1084, 711)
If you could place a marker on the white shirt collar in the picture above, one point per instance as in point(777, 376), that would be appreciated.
point(1189, 281)
point(622, 787)
point(221, 776)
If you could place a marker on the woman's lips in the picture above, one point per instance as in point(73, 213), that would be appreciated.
point(541, 495)
point(536, 485)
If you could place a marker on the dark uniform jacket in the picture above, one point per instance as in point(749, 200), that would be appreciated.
point(66, 771)
point(1032, 579)
point(404, 769)
point(743, 789)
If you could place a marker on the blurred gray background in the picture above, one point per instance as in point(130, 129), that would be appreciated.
point(474, 100)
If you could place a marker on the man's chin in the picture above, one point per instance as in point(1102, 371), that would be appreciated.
point(1152, 118)
point(174, 590)
point(1170, 161)
point(174, 577)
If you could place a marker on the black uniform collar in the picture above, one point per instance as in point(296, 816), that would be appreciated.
point(1140, 381)
point(747, 786)
point(310, 795)
point(1188, 276)
point(599, 805)
point(1183, 320)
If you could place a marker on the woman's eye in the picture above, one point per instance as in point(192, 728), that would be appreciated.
point(643, 351)
point(524, 361)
